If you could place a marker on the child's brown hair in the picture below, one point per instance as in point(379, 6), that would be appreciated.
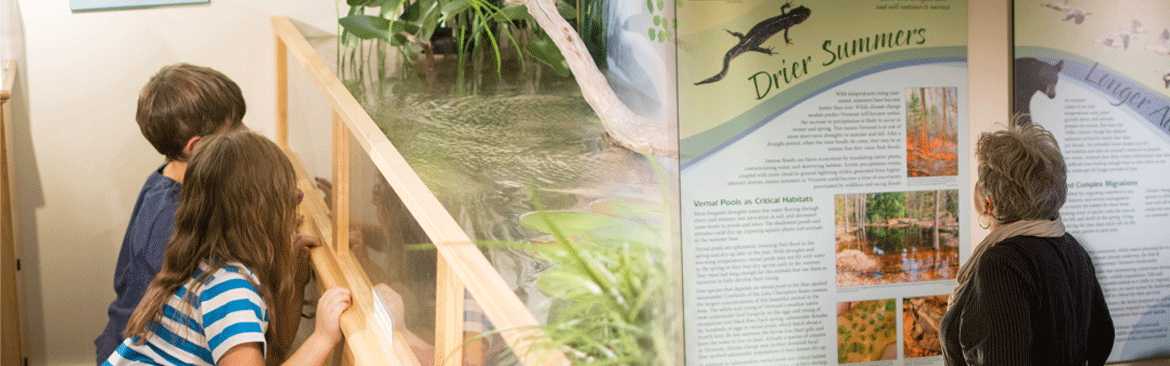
point(182, 101)
point(238, 203)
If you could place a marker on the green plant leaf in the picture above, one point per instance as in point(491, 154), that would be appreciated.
point(356, 2)
point(593, 226)
point(568, 286)
point(661, 5)
point(453, 8)
point(516, 12)
point(429, 21)
point(397, 39)
point(653, 33)
point(566, 10)
point(388, 8)
point(366, 26)
point(657, 20)
point(412, 11)
point(546, 52)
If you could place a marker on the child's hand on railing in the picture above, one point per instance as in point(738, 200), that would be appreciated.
point(333, 302)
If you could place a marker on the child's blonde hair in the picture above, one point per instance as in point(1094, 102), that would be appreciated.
point(238, 203)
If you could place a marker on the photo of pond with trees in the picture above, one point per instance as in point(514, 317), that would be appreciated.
point(896, 237)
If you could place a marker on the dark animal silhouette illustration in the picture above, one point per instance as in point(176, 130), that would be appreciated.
point(1031, 76)
point(1166, 79)
point(759, 34)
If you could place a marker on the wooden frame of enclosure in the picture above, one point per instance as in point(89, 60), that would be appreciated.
point(10, 290)
point(460, 264)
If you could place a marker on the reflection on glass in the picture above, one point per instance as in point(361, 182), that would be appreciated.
point(490, 159)
point(381, 237)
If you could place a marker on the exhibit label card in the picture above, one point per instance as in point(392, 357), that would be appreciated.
point(1110, 112)
point(823, 169)
point(84, 5)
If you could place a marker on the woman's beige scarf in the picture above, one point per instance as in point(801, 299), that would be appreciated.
point(1047, 228)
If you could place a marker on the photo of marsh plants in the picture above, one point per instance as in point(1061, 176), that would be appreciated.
point(920, 320)
point(866, 331)
point(896, 237)
point(932, 132)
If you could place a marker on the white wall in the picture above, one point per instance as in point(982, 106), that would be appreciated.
point(81, 157)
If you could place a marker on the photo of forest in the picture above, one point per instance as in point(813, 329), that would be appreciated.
point(920, 320)
point(932, 132)
point(896, 237)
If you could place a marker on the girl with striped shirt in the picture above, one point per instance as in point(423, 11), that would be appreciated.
point(229, 259)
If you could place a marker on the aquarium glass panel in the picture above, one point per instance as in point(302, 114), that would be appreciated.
point(393, 250)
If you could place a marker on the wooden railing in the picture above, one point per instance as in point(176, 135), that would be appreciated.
point(460, 264)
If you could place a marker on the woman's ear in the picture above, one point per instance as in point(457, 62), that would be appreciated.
point(988, 206)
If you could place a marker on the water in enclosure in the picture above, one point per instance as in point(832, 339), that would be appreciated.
point(500, 133)
point(493, 157)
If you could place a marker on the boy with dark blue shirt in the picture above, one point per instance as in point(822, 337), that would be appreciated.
point(180, 104)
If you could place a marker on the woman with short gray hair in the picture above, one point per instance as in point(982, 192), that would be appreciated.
point(1029, 293)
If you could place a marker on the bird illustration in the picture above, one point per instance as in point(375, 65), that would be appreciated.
point(1163, 46)
point(1061, 6)
point(1071, 12)
point(1135, 28)
point(1109, 42)
point(1125, 35)
point(1077, 13)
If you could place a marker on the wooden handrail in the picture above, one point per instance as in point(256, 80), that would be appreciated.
point(458, 254)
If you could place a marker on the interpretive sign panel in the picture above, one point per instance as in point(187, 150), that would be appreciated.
point(1096, 74)
point(823, 178)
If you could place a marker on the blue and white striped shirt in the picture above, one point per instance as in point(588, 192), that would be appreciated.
point(227, 311)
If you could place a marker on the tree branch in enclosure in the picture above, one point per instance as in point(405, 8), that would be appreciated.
point(623, 125)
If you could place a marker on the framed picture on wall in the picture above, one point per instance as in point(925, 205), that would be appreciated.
point(87, 5)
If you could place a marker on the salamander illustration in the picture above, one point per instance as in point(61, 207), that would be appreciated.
point(1031, 76)
point(759, 34)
